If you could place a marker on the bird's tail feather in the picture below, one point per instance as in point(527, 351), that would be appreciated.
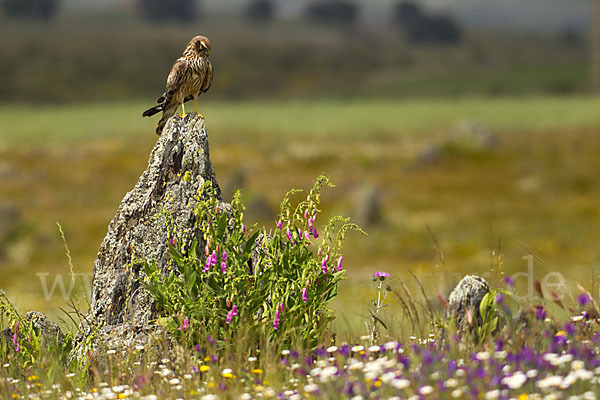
point(151, 111)
point(167, 113)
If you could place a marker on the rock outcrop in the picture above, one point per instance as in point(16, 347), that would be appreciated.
point(163, 198)
point(467, 295)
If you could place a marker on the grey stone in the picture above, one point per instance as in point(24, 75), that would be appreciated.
point(49, 331)
point(178, 167)
point(467, 295)
point(368, 209)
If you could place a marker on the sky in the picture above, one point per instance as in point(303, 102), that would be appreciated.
point(534, 15)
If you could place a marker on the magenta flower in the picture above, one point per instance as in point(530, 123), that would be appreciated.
point(381, 274)
point(281, 307)
point(206, 250)
point(213, 257)
point(232, 313)
point(305, 295)
point(243, 228)
point(18, 349)
point(306, 235)
point(186, 324)
point(276, 320)
point(306, 214)
point(16, 334)
point(289, 234)
point(324, 265)
point(223, 267)
point(499, 298)
point(279, 224)
point(339, 263)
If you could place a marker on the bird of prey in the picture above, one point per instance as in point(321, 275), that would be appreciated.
point(190, 76)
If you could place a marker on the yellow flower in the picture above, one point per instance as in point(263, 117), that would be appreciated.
point(559, 333)
point(377, 383)
point(524, 395)
point(228, 375)
point(33, 378)
point(15, 396)
point(257, 371)
point(207, 358)
point(204, 368)
point(121, 396)
point(259, 388)
point(193, 392)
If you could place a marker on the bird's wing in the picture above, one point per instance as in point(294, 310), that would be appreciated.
point(207, 78)
point(174, 80)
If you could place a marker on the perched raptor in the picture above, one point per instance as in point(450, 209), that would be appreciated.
point(190, 76)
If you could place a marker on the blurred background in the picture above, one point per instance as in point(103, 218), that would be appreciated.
point(461, 135)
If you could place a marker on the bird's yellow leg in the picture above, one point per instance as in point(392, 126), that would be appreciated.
point(196, 110)
point(183, 114)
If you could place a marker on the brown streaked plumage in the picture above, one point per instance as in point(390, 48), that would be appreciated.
point(190, 76)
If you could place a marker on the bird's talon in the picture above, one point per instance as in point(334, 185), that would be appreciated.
point(201, 116)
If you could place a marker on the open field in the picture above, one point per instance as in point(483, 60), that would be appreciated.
point(520, 181)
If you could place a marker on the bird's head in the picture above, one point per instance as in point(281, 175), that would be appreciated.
point(200, 44)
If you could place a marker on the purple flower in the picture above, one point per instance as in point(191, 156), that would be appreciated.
point(186, 324)
point(339, 263)
point(16, 334)
point(499, 298)
point(381, 274)
point(223, 267)
point(540, 313)
point(213, 259)
point(232, 313)
point(324, 265)
point(279, 224)
point(276, 320)
point(224, 257)
point(211, 340)
point(289, 234)
point(18, 349)
point(306, 235)
point(584, 299)
point(509, 281)
point(306, 214)
point(243, 228)
point(281, 307)
point(304, 295)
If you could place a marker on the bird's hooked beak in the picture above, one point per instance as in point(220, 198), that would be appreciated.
point(205, 49)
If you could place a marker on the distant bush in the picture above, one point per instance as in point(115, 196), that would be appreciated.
point(332, 11)
point(40, 9)
point(420, 27)
point(162, 10)
point(260, 11)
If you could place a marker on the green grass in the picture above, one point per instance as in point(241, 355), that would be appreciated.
point(533, 193)
point(233, 121)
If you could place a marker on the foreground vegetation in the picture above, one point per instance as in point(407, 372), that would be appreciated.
point(235, 332)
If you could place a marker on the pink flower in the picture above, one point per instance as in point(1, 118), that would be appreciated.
point(276, 320)
point(223, 267)
point(289, 234)
point(243, 228)
point(18, 347)
point(16, 334)
point(381, 274)
point(186, 324)
point(306, 214)
point(306, 235)
point(324, 266)
point(339, 263)
point(232, 313)
point(279, 224)
point(305, 295)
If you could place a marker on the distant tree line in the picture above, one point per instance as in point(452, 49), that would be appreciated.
point(37, 9)
point(417, 25)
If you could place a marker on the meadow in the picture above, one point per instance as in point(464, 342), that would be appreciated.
point(485, 182)
point(468, 186)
